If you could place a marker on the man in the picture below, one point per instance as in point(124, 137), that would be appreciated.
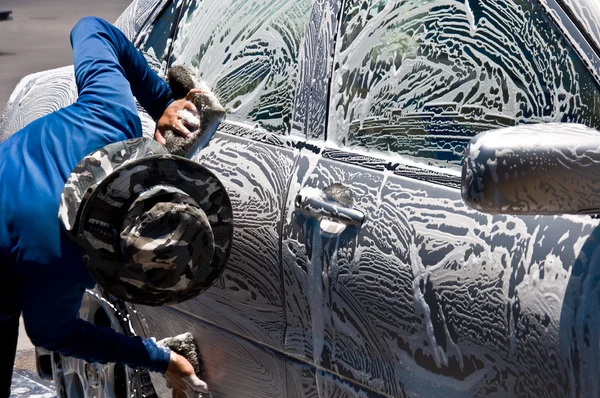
point(42, 273)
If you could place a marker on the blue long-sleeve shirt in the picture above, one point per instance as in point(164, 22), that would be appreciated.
point(41, 270)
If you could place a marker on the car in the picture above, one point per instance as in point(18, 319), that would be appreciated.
point(357, 269)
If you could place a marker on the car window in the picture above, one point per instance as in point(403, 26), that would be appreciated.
point(248, 52)
point(155, 45)
point(421, 77)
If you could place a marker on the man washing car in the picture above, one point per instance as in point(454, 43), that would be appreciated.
point(43, 273)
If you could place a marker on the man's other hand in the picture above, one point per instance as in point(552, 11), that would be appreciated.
point(182, 379)
point(171, 119)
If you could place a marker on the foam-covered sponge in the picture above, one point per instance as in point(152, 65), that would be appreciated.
point(204, 124)
point(185, 345)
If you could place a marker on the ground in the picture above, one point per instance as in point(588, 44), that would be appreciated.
point(38, 36)
point(36, 39)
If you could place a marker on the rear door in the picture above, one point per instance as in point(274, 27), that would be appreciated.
point(404, 291)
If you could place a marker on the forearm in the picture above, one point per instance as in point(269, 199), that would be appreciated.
point(108, 68)
point(50, 317)
point(96, 344)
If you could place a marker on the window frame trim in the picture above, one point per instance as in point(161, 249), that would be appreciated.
point(572, 29)
point(152, 20)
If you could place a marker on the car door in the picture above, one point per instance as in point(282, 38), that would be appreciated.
point(253, 56)
point(392, 284)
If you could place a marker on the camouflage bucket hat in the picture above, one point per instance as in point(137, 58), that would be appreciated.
point(154, 228)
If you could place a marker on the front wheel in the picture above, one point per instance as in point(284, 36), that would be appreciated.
point(75, 378)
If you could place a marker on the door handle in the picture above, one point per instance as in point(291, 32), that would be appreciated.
point(320, 208)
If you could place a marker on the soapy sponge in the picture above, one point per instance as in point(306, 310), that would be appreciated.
point(185, 345)
point(204, 124)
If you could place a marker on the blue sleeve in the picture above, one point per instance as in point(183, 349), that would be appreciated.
point(50, 317)
point(109, 69)
point(108, 72)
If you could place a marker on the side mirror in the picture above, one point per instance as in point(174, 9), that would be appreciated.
point(534, 169)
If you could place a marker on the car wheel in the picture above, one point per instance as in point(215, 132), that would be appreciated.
point(75, 378)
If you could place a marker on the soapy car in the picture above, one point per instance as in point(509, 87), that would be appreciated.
point(414, 197)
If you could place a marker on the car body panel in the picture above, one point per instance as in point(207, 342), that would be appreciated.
point(234, 366)
point(306, 381)
point(247, 298)
point(430, 297)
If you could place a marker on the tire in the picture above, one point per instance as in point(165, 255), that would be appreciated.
point(75, 378)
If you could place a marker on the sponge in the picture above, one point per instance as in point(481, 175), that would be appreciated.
point(210, 113)
point(185, 345)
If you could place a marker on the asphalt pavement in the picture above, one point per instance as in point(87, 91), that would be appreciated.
point(36, 39)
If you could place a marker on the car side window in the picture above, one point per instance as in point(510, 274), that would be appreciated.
point(155, 45)
point(248, 52)
point(420, 78)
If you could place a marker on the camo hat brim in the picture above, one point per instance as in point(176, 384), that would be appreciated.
point(94, 168)
point(106, 205)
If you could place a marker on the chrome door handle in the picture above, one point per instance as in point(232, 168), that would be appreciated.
point(321, 208)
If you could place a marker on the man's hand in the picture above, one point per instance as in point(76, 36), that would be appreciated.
point(171, 119)
point(182, 379)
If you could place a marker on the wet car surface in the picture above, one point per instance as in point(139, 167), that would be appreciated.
point(356, 268)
